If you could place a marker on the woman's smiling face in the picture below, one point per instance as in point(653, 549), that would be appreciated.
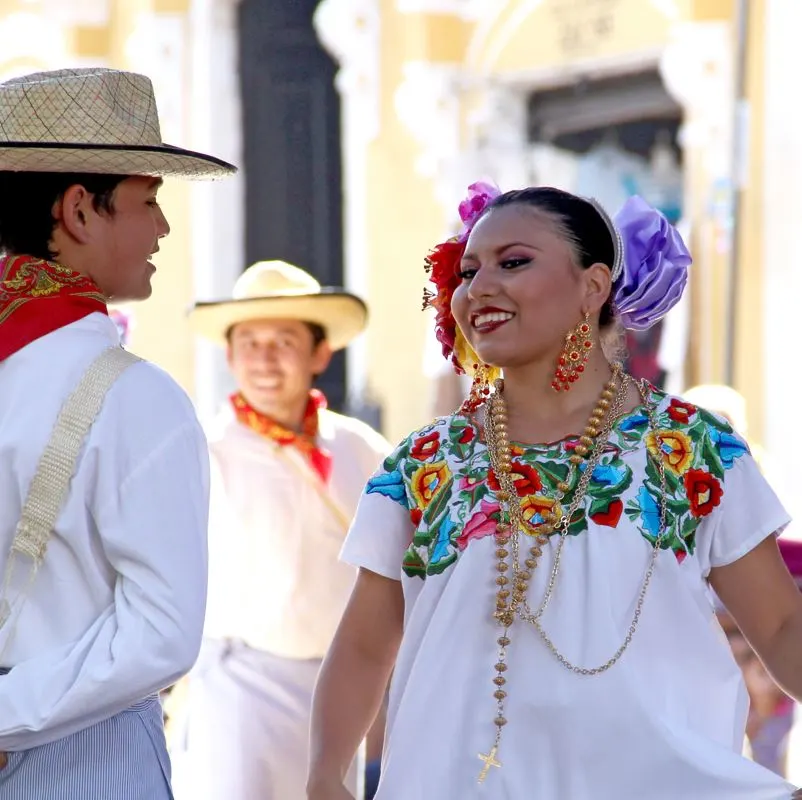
point(522, 289)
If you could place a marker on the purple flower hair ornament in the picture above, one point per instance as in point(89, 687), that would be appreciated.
point(652, 263)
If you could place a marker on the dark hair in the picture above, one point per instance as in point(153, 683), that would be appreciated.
point(26, 206)
point(318, 333)
point(579, 222)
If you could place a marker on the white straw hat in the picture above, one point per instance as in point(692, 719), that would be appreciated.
point(92, 121)
point(278, 290)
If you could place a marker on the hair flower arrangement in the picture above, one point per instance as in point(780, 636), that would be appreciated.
point(442, 264)
point(656, 263)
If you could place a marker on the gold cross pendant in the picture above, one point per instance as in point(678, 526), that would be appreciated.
point(489, 761)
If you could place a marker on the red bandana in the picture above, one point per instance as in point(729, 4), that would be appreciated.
point(38, 297)
point(305, 441)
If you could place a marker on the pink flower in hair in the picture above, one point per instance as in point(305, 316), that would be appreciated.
point(480, 195)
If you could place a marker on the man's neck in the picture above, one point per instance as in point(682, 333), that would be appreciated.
point(288, 415)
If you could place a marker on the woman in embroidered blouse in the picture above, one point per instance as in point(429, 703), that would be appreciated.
point(534, 568)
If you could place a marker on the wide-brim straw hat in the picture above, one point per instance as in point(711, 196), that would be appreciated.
point(91, 121)
point(278, 290)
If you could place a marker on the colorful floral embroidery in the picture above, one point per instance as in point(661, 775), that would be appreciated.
point(442, 476)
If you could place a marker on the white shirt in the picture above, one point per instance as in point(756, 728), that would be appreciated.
point(665, 722)
point(275, 579)
point(116, 610)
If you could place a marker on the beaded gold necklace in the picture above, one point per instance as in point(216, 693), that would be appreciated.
point(513, 602)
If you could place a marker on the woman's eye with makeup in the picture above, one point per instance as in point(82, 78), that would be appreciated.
point(512, 263)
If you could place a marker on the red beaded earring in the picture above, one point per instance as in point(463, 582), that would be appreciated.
point(574, 356)
point(480, 389)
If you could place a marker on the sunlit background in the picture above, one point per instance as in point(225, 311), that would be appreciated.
point(358, 124)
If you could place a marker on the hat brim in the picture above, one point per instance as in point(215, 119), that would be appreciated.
point(146, 160)
point(342, 315)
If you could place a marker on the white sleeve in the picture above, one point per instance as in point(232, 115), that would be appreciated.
point(382, 530)
point(748, 512)
point(152, 528)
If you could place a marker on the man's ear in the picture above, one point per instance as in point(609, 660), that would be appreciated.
point(74, 213)
point(321, 358)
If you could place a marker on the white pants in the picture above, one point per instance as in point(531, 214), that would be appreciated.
point(244, 732)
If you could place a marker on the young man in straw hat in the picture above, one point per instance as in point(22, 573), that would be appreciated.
point(103, 475)
point(286, 477)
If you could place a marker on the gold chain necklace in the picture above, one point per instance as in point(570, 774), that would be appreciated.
point(509, 604)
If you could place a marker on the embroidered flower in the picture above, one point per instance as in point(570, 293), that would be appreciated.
point(427, 481)
point(481, 524)
point(388, 484)
point(425, 447)
point(649, 511)
point(415, 516)
point(467, 435)
point(608, 475)
point(441, 554)
point(535, 507)
point(680, 412)
point(704, 491)
point(633, 422)
point(526, 479)
point(609, 516)
point(673, 446)
point(729, 446)
point(467, 483)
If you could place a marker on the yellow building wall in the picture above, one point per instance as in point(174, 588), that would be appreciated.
point(749, 341)
point(560, 33)
point(404, 222)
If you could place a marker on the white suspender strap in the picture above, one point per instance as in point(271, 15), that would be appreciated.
point(50, 485)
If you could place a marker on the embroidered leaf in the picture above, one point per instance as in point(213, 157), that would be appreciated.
point(673, 481)
point(578, 523)
point(689, 526)
point(439, 567)
point(552, 472)
point(714, 421)
point(439, 502)
point(711, 458)
point(413, 565)
point(422, 538)
point(397, 456)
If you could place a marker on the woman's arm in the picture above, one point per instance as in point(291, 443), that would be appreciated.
point(762, 597)
point(353, 680)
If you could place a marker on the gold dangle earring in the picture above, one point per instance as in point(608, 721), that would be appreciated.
point(574, 356)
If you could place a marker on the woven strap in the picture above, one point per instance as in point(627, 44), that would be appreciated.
point(50, 485)
point(322, 490)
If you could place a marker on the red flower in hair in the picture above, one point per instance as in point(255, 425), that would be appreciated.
point(442, 265)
